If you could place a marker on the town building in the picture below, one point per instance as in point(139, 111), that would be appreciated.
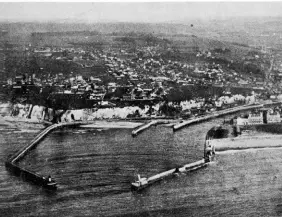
point(273, 117)
point(255, 118)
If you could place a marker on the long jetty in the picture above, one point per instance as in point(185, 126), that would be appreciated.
point(145, 182)
point(215, 115)
point(145, 126)
point(28, 175)
point(185, 168)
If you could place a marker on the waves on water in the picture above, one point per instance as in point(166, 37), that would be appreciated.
point(94, 171)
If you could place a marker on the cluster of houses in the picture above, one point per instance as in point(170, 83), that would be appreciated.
point(142, 74)
point(146, 63)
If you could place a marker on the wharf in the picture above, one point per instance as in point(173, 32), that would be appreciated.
point(215, 115)
point(148, 125)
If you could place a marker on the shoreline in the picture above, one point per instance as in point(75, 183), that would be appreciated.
point(174, 122)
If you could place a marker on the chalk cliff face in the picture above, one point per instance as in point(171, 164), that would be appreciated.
point(36, 113)
point(22, 112)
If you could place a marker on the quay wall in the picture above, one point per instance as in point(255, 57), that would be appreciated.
point(145, 126)
point(215, 115)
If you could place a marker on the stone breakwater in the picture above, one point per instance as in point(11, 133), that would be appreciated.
point(11, 163)
point(145, 126)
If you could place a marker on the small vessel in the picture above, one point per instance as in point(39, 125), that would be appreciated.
point(140, 183)
point(49, 183)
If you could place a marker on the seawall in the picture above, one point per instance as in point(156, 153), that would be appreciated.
point(215, 115)
point(145, 126)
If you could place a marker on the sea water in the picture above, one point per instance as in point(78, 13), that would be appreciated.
point(94, 169)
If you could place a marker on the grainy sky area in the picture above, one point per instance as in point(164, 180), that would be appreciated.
point(134, 11)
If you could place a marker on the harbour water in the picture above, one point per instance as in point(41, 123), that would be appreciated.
point(94, 169)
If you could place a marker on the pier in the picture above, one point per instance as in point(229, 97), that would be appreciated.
point(142, 183)
point(11, 163)
point(145, 126)
point(209, 153)
point(215, 115)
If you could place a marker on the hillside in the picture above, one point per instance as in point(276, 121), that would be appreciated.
point(180, 42)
